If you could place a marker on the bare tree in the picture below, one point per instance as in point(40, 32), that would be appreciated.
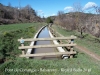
point(79, 17)
point(9, 4)
point(97, 9)
point(77, 7)
point(62, 18)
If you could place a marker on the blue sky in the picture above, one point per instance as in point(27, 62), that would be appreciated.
point(51, 7)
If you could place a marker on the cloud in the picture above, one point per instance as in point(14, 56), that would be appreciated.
point(45, 15)
point(53, 14)
point(69, 8)
point(40, 12)
point(89, 5)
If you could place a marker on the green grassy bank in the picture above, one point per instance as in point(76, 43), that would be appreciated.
point(82, 64)
point(9, 35)
point(90, 42)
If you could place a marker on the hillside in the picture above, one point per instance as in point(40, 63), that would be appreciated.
point(82, 22)
point(9, 14)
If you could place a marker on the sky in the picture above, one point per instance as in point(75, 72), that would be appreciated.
point(51, 7)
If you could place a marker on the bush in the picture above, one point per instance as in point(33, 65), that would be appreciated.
point(49, 20)
point(9, 44)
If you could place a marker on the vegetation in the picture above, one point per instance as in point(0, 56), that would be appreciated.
point(49, 20)
point(9, 14)
point(77, 23)
point(80, 21)
point(80, 66)
point(20, 26)
point(89, 41)
point(14, 65)
point(10, 34)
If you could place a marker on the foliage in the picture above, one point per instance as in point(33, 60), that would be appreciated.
point(80, 21)
point(49, 20)
point(23, 66)
point(10, 34)
point(9, 14)
point(89, 41)
point(81, 65)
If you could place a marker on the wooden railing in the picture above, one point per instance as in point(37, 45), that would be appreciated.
point(71, 45)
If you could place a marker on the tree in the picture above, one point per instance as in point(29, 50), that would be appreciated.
point(97, 20)
point(61, 18)
point(9, 4)
point(61, 14)
point(49, 20)
point(79, 17)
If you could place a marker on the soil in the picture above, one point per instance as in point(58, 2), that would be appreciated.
point(88, 52)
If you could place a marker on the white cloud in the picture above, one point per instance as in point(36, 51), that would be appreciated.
point(89, 5)
point(69, 8)
point(53, 14)
point(45, 15)
point(40, 12)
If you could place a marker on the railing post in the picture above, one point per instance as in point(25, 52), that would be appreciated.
point(71, 49)
point(22, 44)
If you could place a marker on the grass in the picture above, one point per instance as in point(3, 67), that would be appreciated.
point(81, 65)
point(58, 67)
point(11, 33)
point(90, 42)
point(22, 26)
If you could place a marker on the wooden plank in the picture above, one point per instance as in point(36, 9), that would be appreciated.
point(46, 46)
point(47, 54)
point(56, 38)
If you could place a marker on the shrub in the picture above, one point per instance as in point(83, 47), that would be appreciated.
point(9, 44)
point(49, 20)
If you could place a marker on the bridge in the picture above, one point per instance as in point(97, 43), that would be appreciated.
point(69, 45)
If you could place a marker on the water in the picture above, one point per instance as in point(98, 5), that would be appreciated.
point(44, 34)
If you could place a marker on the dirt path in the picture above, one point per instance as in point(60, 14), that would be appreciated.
point(84, 50)
point(88, 52)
